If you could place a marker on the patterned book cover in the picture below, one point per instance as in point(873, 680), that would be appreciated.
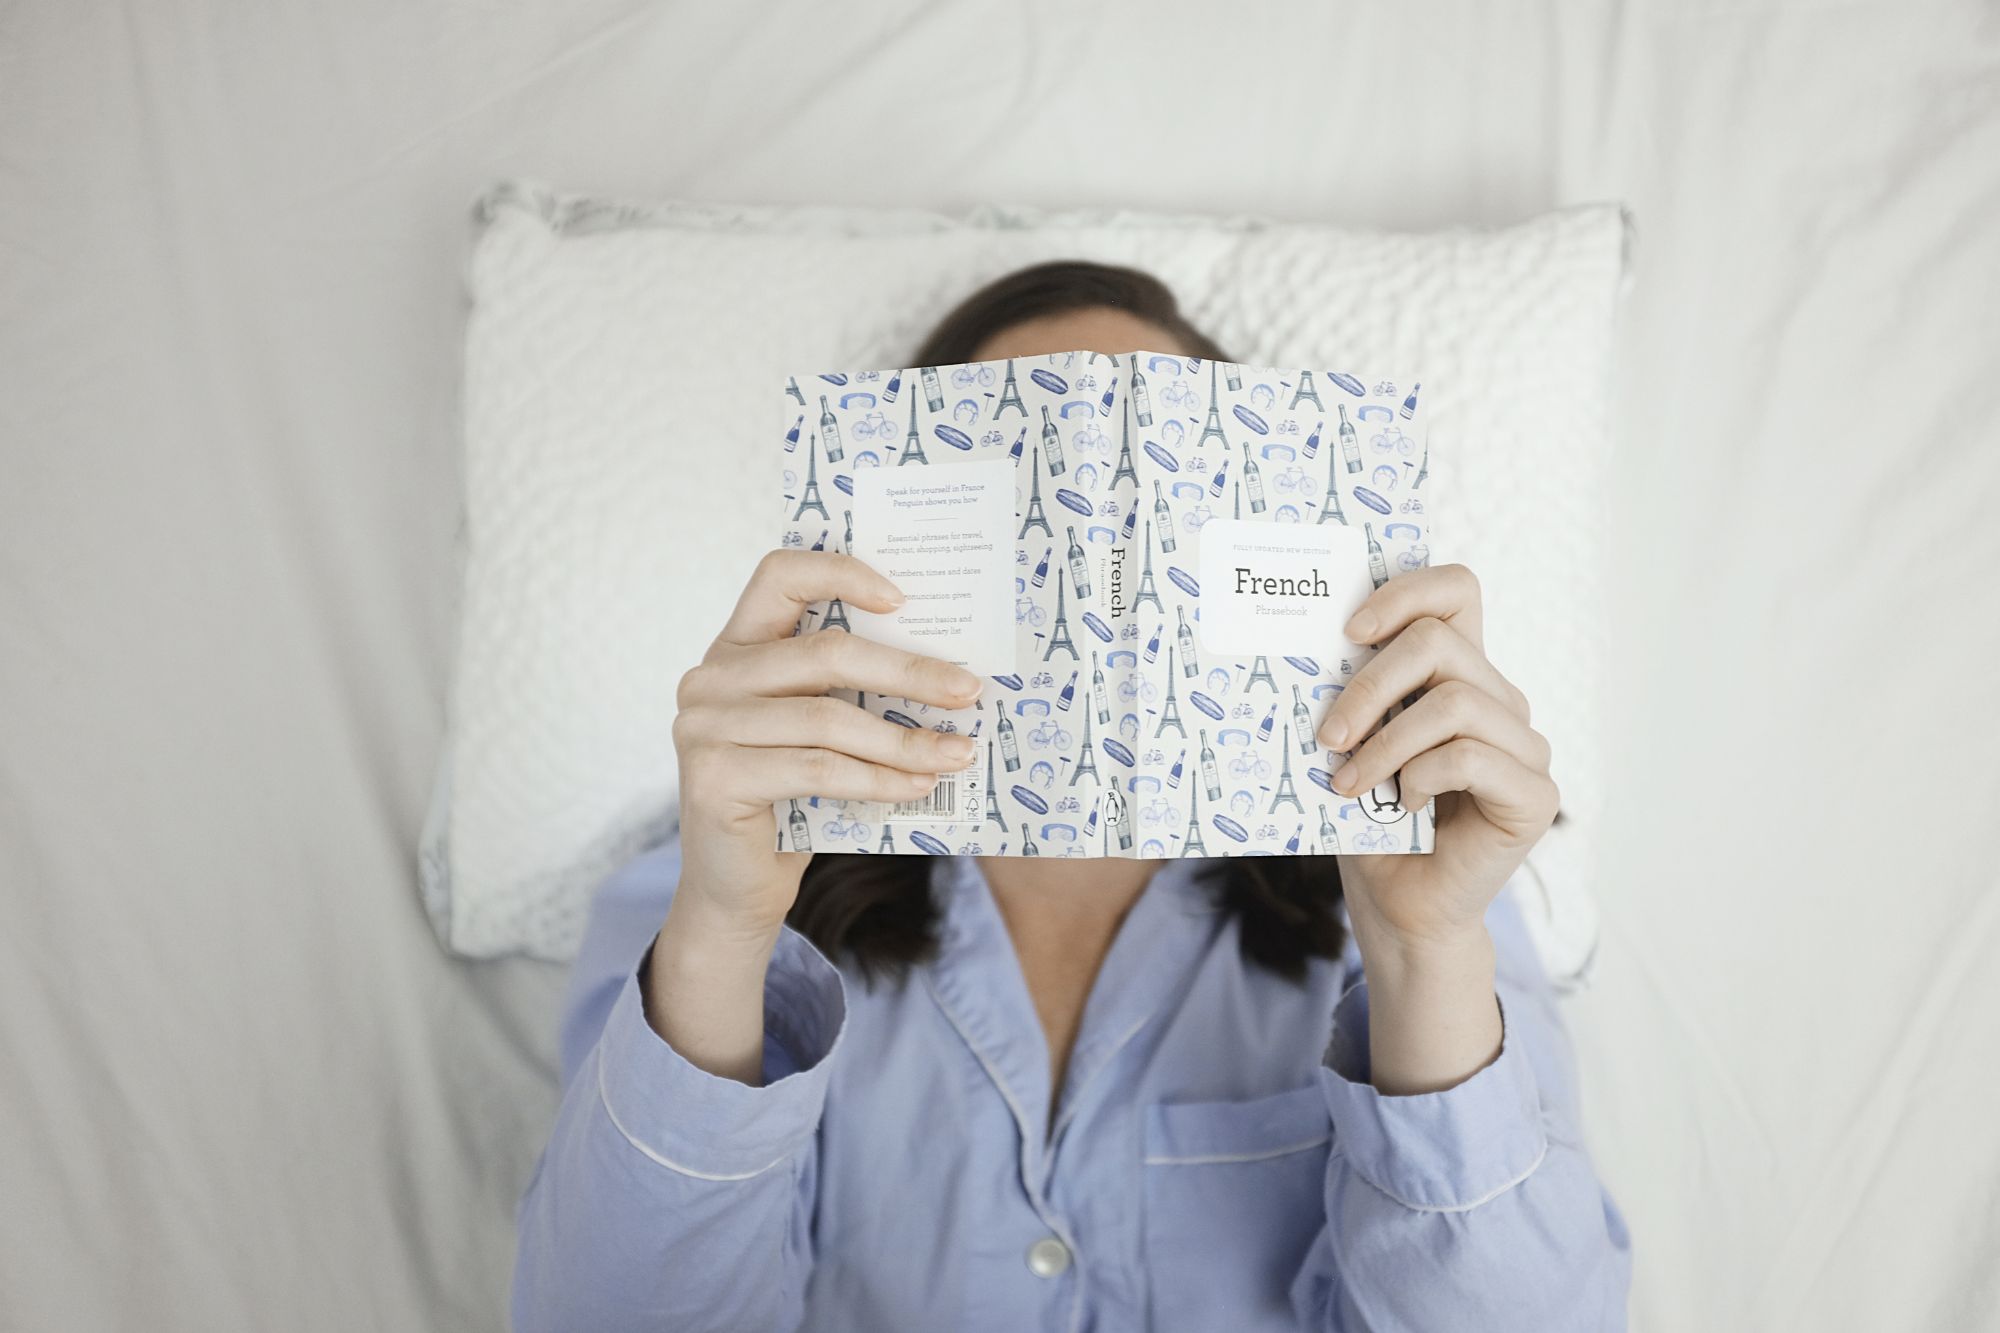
point(1087, 499)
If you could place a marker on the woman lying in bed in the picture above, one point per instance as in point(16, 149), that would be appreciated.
point(903, 1092)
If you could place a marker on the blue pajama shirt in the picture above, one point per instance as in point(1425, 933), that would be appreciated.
point(1218, 1159)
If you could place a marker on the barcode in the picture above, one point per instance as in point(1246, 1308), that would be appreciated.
point(954, 800)
point(941, 802)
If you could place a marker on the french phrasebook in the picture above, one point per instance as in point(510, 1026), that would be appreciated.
point(1150, 559)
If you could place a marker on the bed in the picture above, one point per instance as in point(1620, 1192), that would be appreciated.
point(246, 1089)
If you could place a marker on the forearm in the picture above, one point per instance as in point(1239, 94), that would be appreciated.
point(1433, 1016)
point(704, 989)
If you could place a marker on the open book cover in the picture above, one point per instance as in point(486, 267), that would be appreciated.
point(1150, 558)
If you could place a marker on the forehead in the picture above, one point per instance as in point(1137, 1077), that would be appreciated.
point(1094, 329)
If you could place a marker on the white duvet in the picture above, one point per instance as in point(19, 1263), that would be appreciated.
point(243, 1086)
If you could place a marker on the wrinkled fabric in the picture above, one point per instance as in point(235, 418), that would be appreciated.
point(1216, 1159)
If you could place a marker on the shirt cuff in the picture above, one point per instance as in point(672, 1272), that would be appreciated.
point(1443, 1151)
point(702, 1124)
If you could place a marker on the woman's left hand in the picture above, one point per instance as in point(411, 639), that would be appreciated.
point(1465, 742)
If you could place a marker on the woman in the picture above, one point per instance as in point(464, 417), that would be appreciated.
point(883, 1093)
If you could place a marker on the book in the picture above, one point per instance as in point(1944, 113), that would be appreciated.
point(1149, 557)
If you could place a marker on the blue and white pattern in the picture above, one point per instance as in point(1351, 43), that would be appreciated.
point(1116, 734)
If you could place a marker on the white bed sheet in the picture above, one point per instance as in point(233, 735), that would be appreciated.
point(244, 1089)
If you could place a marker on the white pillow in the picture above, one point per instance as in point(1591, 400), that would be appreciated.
point(623, 379)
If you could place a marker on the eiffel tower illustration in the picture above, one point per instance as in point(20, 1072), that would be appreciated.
point(1059, 635)
point(1124, 470)
point(1260, 670)
point(1416, 829)
point(809, 498)
point(993, 815)
point(792, 388)
point(836, 614)
point(1306, 390)
point(888, 844)
point(1036, 518)
point(1170, 713)
point(1086, 759)
point(1425, 470)
point(1192, 844)
point(1285, 792)
point(1147, 592)
point(1329, 507)
point(1214, 424)
point(913, 443)
point(1009, 395)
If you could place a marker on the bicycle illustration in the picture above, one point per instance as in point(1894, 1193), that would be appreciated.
point(844, 826)
point(1049, 734)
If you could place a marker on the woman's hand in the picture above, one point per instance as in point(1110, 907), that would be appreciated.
point(1466, 742)
point(755, 727)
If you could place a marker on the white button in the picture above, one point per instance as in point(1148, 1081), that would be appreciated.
point(1047, 1257)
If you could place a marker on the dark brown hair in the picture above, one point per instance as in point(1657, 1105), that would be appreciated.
point(878, 909)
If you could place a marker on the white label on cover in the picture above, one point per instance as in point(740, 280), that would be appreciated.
point(944, 534)
point(1280, 588)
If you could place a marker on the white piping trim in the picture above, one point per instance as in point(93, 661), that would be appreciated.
point(1485, 1198)
point(605, 1100)
point(1213, 1159)
point(1028, 1182)
point(1069, 1108)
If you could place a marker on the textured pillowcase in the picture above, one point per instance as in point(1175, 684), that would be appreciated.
point(613, 512)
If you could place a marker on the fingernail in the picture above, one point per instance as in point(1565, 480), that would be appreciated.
point(1343, 778)
point(1334, 734)
point(923, 781)
point(894, 597)
point(956, 746)
point(1361, 628)
point(965, 682)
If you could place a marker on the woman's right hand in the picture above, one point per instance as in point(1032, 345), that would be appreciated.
point(755, 728)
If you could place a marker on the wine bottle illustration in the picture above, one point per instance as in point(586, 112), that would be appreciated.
point(1051, 444)
point(1079, 568)
point(1329, 836)
point(1041, 574)
point(1098, 692)
point(1153, 644)
point(1292, 843)
point(933, 391)
point(1068, 695)
point(1253, 481)
point(1312, 441)
point(1265, 727)
point(1165, 518)
point(1211, 780)
point(829, 432)
point(1142, 400)
point(1232, 375)
point(1378, 569)
point(1302, 719)
point(1010, 750)
point(801, 835)
point(1186, 636)
point(895, 383)
point(1174, 773)
point(1350, 450)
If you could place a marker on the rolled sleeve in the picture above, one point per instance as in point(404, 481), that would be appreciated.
point(1443, 1151)
point(716, 1128)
